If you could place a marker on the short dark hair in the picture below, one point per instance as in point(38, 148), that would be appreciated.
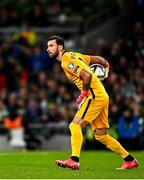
point(59, 40)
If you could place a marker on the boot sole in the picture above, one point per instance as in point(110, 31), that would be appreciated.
point(65, 166)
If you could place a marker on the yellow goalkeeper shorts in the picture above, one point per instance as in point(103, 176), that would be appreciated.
point(95, 112)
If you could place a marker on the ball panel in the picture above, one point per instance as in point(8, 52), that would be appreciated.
point(99, 70)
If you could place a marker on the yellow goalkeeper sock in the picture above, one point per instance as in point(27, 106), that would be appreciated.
point(76, 138)
point(112, 144)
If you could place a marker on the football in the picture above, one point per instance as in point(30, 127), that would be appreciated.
point(99, 70)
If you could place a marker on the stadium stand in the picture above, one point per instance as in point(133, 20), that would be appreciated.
point(33, 86)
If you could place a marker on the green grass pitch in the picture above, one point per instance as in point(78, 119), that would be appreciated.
point(41, 165)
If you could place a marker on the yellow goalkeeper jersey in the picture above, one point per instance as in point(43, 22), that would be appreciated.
point(72, 64)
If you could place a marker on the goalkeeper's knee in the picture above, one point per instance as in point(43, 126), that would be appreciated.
point(101, 138)
point(108, 141)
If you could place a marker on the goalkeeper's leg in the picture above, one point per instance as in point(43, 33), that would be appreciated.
point(76, 143)
point(112, 144)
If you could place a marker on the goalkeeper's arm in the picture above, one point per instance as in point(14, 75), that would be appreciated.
point(99, 60)
point(86, 78)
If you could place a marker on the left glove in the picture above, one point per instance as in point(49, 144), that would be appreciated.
point(106, 66)
point(81, 97)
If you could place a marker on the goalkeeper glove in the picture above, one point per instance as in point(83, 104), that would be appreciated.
point(81, 97)
point(106, 66)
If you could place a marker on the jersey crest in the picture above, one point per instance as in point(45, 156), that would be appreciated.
point(70, 65)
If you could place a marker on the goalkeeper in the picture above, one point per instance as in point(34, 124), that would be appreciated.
point(92, 104)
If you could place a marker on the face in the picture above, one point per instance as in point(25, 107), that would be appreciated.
point(52, 48)
point(127, 113)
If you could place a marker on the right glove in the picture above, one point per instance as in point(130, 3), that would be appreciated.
point(81, 97)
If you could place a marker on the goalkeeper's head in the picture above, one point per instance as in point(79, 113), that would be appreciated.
point(55, 46)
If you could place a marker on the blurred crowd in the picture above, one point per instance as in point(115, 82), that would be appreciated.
point(34, 89)
point(46, 13)
point(32, 85)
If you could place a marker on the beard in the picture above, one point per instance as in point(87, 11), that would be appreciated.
point(55, 54)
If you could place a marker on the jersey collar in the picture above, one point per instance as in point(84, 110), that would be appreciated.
point(64, 53)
